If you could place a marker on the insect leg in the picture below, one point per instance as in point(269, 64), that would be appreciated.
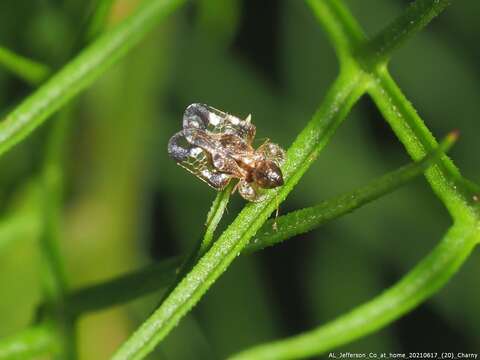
point(250, 191)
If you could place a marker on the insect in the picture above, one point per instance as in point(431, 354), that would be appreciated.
point(217, 147)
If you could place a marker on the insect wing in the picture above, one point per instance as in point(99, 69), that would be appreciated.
point(196, 160)
point(214, 121)
point(273, 152)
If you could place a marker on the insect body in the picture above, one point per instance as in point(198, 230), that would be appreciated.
point(217, 147)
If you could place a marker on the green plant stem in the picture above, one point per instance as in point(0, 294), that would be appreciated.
point(350, 41)
point(444, 178)
point(52, 189)
point(407, 125)
point(341, 97)
point(53, 172)
point(26, 69)
point(82, 71)
point(54, 273)
point(418, 14)
point(419, 284)
point(125, 288)
point(30, 343)
point(214, 216)
point(98, 21)
point(344, 32)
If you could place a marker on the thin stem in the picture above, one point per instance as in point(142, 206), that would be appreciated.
point(30, 343)
point(27, 69)
point(444, 178)
point(418, 15)
point(344, 32)
point(54, 274)
point(403, 118)
point(52, 179)
point(52, 189)
point(350, 42)
point(82, 71)
point(214, 216)
point(304, 220)
point(419, 284)
point(125, 288)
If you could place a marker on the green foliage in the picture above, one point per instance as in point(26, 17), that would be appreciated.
point(363, 71)
point(158, 276)
point(27, 69)
point(81, 72)
point(31, 343)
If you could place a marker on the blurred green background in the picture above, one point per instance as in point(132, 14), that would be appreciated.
point(127, 204)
